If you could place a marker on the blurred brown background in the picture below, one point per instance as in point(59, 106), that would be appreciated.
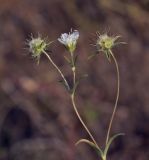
point(37, 121)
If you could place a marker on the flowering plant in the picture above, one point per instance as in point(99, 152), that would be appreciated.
point(104, 43)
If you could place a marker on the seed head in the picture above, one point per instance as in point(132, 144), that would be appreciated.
point(105, 43)
point(37, 46)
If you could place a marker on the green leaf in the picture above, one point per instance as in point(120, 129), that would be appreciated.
point(110, 142)
point(92, 56)
point(78, 82)
point(117, 43)
point(108, 55)
point(75, 86)
point(75, 60)
point(64, 84)
point(115, 38)
point(67, 59)
point(91, 144)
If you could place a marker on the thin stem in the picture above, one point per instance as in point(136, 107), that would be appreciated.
point(73, 101)
point(117, 97)
point(72, 95)
point(74, 75)
point(73, 68)
point(103, 157)
point(63, 77)
point(79, 117)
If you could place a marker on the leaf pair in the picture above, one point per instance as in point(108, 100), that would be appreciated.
point(102, 153)
point(73, 90)
point(70, 62)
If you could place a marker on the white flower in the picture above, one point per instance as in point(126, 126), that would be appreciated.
point(69, 40)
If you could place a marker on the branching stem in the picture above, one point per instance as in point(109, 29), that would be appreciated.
point(74, 104)
point(72, 95)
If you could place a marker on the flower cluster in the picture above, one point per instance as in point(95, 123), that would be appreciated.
point(69, 40)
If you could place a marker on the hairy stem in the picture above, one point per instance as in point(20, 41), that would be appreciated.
point(117, 97)
point(63, 77)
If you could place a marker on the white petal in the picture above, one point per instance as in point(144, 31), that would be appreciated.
point(61, 41)
point(75, 34)
point(64, 36)
point(69, 39)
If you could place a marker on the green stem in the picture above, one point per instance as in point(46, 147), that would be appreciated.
point(79, 117)
point(63, 77)
point(73, 68)
point(103, 157)
point(117, 97)
point(72, 95)
point(74, 75)
point(73, 101)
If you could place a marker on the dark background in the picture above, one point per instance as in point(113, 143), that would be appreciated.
point(37, 121)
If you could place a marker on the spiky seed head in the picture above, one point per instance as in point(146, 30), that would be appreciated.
point(37, 46)
point(105, 43)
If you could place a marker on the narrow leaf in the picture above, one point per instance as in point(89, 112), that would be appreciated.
point(110, 142)
point(64, 84)
point(75, 60)
point(67, 59)
point(91, 144)
point(117, 43)
point(75, 86)
point(91, 56)
point(115, 38)
point(78, 82)
point(108, 55)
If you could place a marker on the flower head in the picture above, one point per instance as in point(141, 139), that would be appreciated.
point(69, 40)
point(37, 46)
point(105, 43)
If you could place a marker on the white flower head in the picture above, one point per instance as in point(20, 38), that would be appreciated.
point(69, 40)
